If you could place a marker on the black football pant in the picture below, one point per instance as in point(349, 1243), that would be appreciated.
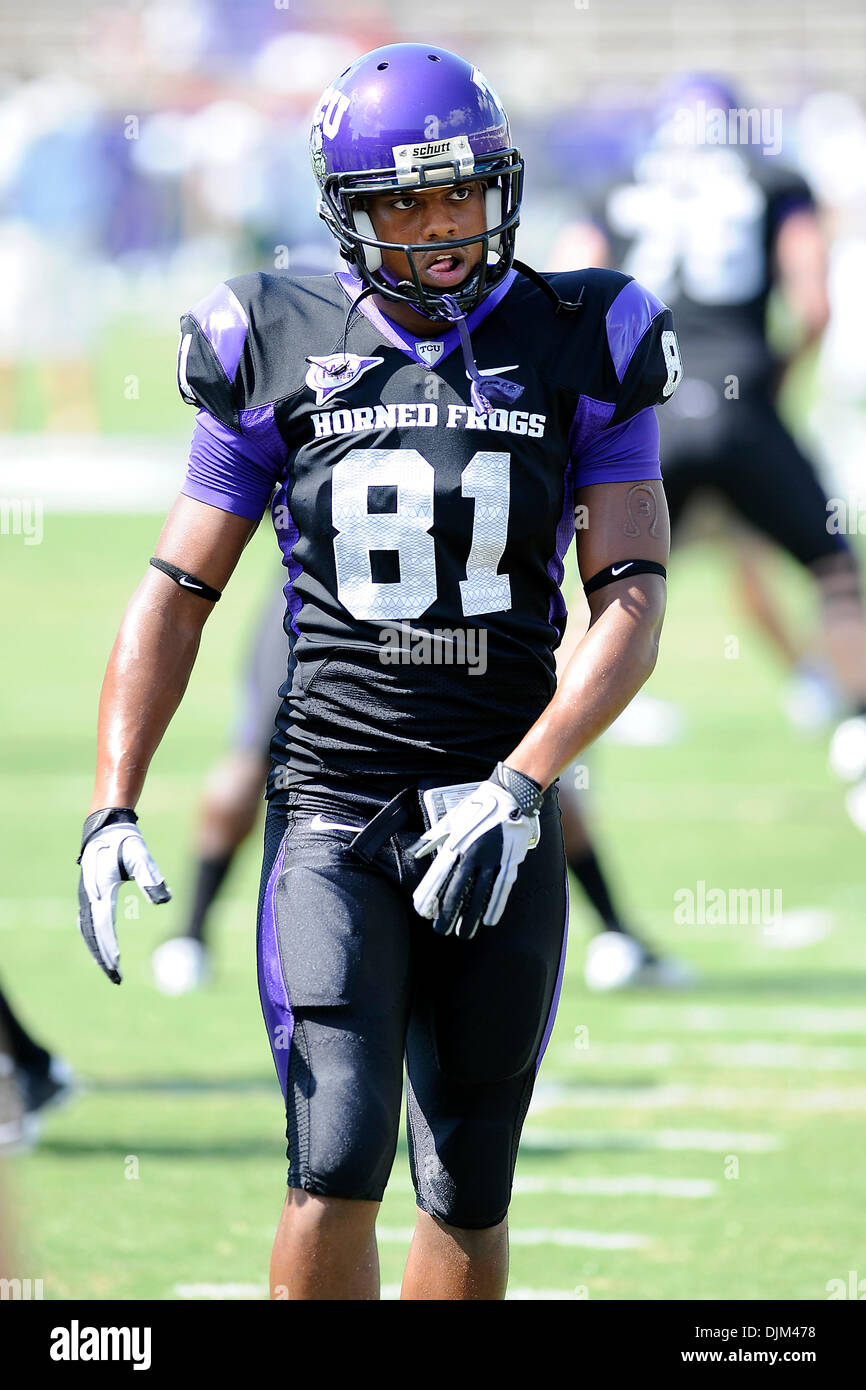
point(352, 980)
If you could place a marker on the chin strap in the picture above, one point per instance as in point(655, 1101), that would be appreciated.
point(560, 306)
point(485, 391)
point(438, 310)
point(369, 289)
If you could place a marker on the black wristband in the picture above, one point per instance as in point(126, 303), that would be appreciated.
point(525, 790)
point(623, 569)
point(186, 581)
point(97, 820)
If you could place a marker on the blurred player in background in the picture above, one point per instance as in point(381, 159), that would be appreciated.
point(617, 956)
point(53, 192)
point(712, 223)
point(31, 1079)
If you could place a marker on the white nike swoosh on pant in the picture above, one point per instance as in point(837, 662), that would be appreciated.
point(319, 823)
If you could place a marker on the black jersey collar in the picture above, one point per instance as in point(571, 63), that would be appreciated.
point(401, 337)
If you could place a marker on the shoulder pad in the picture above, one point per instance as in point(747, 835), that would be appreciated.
point(212, 338)
point(622, 346)
point(643, 350)
point(245, 344)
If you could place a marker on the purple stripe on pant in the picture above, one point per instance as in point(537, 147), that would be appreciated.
point(554, 1003)
point(272, 987)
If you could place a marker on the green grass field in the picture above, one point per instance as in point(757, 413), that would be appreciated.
point(699, 1145)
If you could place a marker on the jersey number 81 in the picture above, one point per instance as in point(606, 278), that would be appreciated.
point(406, 530)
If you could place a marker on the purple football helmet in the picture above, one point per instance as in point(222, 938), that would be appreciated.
point(409, 116)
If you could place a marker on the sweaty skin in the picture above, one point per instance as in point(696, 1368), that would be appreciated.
point(426, 215)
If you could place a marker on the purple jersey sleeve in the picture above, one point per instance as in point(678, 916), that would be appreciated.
point(230, 470)
point(626, 453)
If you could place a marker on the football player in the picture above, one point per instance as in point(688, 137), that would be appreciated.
point(423, 425)
point(713, 225)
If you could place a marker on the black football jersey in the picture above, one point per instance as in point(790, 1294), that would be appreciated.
point(698, 226)
point(423, 540)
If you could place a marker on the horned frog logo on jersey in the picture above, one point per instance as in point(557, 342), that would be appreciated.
point(328, 375)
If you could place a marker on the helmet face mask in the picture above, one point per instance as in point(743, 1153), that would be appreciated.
point(372, 136)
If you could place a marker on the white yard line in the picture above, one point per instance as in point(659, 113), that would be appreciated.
point(515, 1295)
point(751, 1053)
point(623, 1185)
point(752, 1018)
point(539, 1235)
point(389, 1291)
point(233, 1291)
point(757, 1053)
point(675, 1097)
point(701, 1140)
point(56, 914)
point(94, 473)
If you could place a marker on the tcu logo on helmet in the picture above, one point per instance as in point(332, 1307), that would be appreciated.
point(330, 111)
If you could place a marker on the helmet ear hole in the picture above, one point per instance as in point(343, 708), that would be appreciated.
point(493, 213)
point(371, 254)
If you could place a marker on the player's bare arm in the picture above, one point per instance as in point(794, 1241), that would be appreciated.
point(147, 674)
point(801, 265)
point(619, 649)
point(156, 647)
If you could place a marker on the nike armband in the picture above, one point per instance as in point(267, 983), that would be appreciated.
point(97, 820)
point(624, 569)
point(187, 581)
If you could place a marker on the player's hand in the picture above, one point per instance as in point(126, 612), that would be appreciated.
point(112, 852)
point(479, 847)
